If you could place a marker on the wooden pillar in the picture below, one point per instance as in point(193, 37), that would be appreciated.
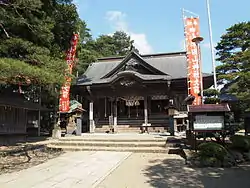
point(149, 105)
point(145, 111)
point(105, 106)
point(115, 116)
point(111, 107)
point(145, 124)
point(91, 117)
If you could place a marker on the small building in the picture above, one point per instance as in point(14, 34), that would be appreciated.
point(69, 118)
point(14, 112)
point(127, 93)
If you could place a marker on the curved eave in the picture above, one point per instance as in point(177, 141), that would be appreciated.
point(136, 75)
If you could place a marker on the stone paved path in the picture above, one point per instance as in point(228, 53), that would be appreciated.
point(169, 171)
point(71, 170)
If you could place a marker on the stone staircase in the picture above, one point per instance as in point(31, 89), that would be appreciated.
point(120, 129)
point(138, 143)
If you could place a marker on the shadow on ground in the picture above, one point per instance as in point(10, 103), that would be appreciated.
point(168, 173)
point(25, 157)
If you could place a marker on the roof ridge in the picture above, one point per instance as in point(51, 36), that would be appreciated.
point(143, 55)
point(128, 57)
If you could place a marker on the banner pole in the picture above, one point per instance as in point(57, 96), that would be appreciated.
point(183, 20)
point(211, 44)
point(191, 32)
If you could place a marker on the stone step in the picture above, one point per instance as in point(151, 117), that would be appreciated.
point(130, 129)
point(119, 149)
point(108, 144)
point(108, 139)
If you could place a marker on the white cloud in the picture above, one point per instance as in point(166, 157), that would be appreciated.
point(118, 22)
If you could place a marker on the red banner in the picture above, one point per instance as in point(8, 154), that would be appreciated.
point(192, 30)
point(64, 105)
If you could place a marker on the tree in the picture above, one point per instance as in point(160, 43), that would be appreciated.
point(118, 44)
point(211, 96)
point(34, 37)
point(234, 54)
point(38, 35)
point(25, 53)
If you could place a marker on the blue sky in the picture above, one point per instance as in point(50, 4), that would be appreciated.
point(156, 25)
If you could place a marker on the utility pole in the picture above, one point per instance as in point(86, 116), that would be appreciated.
point(211, 43)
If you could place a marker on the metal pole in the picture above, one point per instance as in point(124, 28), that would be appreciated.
point(211, 43)
point(201, 75)
point(190, 12)
point(184, 27)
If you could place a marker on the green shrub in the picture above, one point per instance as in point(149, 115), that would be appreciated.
point(241, 143)
point(212, 150)
point(210, 162)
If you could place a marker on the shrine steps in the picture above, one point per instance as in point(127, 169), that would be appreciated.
point(130, 129)
point(140, 144)
point(108, 144)
point(118, 149)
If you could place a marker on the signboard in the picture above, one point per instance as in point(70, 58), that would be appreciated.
point(64, 105)
point(203, 123)
point(192, 30)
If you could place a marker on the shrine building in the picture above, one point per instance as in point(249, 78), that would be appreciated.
point(134, 91)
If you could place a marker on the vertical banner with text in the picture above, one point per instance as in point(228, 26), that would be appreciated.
point(64, 105)
point(192, 30)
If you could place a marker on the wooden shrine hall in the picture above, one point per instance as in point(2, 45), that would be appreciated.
point(127, 93)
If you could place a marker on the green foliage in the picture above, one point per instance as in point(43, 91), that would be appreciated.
point(234, 54)
point(211, 100)
point(211, 149)
point(211, 96)
point(34, 38)
point(241, 143)
point(211, 92)
point(85, 58)
point(118, 44)
point(19, 72)
point(210, 162)
point(32, 48)
point(38, 32)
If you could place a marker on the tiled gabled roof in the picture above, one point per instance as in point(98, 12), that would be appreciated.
point(172, 64)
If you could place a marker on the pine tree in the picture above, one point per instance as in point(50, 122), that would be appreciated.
point(234, 54)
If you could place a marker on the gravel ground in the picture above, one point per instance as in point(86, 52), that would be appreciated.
point(22, 160)
point(170, 171)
